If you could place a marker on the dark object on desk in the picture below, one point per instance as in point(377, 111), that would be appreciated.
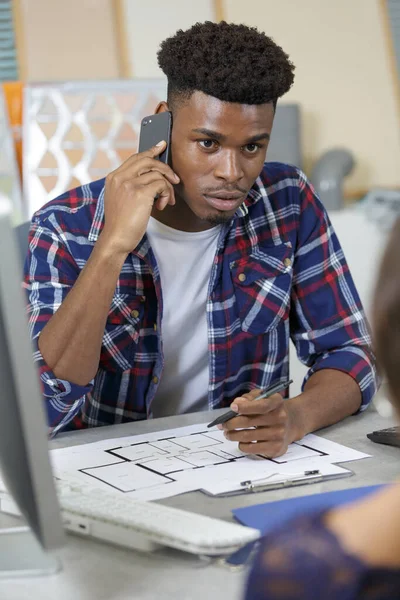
point(389, 436)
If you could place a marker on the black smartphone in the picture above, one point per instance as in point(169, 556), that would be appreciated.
point(153, 129)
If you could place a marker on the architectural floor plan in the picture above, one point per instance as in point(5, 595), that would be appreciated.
point(144, 464)
point(169, 462)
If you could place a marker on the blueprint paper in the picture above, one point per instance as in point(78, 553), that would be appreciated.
point(166, 463)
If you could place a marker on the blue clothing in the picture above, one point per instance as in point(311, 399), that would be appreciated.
point(305, 561)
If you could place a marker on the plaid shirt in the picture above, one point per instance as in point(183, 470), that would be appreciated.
point(278, 272)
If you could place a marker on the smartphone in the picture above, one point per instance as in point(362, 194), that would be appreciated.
point(153, 129)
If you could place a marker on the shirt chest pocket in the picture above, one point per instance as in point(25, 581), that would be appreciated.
point(121, 332)
point(262, 285)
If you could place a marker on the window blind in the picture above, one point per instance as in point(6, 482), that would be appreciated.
point(393, 8)
point(8, 55)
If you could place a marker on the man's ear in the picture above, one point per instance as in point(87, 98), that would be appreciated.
point(161, 107)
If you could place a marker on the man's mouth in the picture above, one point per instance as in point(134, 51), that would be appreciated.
point(224, 200)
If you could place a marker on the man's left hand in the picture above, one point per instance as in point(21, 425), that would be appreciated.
point(262, 426)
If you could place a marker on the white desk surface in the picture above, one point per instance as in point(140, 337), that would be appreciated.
point(94, 570)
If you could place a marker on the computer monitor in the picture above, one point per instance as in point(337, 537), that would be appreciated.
point(24, 456)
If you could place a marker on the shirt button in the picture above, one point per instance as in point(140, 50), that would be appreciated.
point(155, 326)
point(134, 314)
point(287, 262)
point(155, 379)
point(143, 299)
point(242, 277)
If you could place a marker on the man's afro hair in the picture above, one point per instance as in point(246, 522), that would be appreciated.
point(233, 63)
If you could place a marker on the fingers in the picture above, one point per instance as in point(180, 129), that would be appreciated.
point(139, 164)
point(139, 168)
point(151, 177)
point(152, 185)
point(259, 434)
point(144, 165)
point(158, 187)
point(157, 149)
point(267, 449)
point(150, 153)
point(261, 426)
point(246, 406)
point(270, 419)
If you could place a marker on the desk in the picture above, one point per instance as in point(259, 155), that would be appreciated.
point(97, 571)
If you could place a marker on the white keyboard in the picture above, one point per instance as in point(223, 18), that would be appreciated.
point(146, 525)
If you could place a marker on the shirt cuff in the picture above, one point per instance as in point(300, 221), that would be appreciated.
point(60, 389)
point(63, 399)
point(353, 361)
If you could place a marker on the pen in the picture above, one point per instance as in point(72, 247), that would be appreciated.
point(249, 484)
point(273, 389)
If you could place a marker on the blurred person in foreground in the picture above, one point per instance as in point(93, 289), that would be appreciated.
point(351, 552)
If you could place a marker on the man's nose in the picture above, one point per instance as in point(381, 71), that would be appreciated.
point(229, 167)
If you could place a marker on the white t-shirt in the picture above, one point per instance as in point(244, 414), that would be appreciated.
point(184, 260)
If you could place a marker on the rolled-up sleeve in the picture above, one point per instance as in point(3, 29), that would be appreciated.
point(328, 324)
point(50, 273)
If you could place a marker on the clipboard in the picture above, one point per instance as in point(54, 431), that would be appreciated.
point(263, 485)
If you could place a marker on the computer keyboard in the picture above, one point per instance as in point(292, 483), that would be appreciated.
point(147, 525)
point(389, 436)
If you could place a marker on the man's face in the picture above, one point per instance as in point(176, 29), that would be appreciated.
point(218, 150)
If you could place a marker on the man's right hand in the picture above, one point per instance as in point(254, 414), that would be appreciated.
point(129, 197)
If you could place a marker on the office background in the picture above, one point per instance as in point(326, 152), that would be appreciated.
point(346, 83)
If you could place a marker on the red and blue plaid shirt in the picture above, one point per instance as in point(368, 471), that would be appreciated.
point(279, 273)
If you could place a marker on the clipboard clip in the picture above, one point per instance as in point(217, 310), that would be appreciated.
point(254, 485)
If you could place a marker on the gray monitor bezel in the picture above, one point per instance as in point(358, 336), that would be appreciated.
point(24, 453)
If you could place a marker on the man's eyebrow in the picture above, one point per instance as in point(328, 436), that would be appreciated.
point(209, 133)
point(259, 137)
point(220, 137)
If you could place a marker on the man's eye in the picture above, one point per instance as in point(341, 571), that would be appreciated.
point(207, 144)
point(252, 148)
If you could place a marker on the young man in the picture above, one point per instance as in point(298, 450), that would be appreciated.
point(144, 308)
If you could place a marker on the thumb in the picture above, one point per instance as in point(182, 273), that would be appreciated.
point(158, 148)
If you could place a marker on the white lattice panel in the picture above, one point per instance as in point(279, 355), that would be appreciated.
point(77, 132)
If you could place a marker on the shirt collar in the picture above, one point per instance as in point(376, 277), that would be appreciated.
point(252, 197)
